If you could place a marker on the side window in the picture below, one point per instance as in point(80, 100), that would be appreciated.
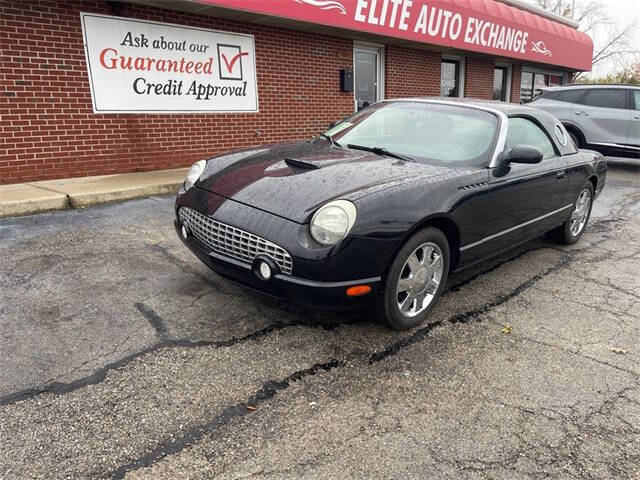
point(523, 131)
point(606, 98)
point(636, 99)
point(571, 96)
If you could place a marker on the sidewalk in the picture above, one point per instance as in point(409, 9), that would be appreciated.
point(35, 197)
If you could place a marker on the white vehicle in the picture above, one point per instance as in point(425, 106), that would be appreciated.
point(605, 118)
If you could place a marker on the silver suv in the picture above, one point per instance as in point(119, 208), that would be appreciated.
point(605, 118)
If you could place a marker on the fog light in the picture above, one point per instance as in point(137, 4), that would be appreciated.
point(265, 270)
point(184, 230)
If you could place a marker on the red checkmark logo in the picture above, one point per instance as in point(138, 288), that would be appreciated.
point(233, 61)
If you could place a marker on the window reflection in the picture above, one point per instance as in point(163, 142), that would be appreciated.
point(450, 78)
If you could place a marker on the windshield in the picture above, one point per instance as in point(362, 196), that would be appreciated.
point(431, 133)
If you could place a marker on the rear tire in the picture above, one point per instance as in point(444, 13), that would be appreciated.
point(575, 139)
point(574, 226)
point(415, 280)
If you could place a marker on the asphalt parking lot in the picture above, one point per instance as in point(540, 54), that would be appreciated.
point(124, 357)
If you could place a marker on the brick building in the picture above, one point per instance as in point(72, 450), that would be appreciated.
point(73, 104)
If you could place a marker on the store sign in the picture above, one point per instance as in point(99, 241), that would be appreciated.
point(137, 66)
point(483, 26)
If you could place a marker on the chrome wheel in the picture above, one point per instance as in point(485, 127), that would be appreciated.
point(419, 279)
point(580, 212)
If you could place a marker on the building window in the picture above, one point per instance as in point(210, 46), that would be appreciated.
point(367, 71)
point(532, 82)
point(450, 78)
point(500, 75)
point(526, 87)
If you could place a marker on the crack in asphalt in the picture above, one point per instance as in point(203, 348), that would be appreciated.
point(61, 388)
point(456, 287)
point(602, 308)
point(566, 452)
point(240, 409)
point(271, 387)
point(579, 354)
point(267, 391)
point(467, 316)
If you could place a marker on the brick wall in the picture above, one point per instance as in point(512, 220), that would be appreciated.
point(516, 78)
point(478, 78)
point(48, 128)
point(410, 72)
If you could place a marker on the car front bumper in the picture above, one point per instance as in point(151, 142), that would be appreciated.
point(310, 293)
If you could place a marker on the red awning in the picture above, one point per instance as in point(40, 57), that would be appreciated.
point(485, 26)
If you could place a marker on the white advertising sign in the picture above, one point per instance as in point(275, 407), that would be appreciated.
point(136, 66)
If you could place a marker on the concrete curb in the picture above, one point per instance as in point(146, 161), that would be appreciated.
point(37, 197)
point(87, 199)
point(23, 199)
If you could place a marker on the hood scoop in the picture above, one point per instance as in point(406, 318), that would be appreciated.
point(293, 163)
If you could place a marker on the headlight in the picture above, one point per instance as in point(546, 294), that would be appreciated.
point(194, 174)
point(332, 222)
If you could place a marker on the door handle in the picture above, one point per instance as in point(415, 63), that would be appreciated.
point(561, 174)
point(582, 114)
point(637, 117)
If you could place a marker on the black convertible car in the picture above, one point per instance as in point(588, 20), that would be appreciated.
point(379, 209)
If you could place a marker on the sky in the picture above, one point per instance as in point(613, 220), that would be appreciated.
point(624, 12)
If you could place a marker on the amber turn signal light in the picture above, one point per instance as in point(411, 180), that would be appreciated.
point(358, 290)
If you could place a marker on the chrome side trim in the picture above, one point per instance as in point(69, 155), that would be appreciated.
point(503, 180)
point(312, 283)
point(616, 145)
point(509, 230)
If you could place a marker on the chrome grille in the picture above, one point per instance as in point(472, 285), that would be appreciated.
point(233, 242)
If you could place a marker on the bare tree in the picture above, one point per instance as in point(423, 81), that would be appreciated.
point(612, 42)
point(626, 75)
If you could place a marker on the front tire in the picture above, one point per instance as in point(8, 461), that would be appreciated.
point(574, 226)
point(415, 280)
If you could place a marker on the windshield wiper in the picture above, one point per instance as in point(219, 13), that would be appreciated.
point(381, 151)
point(333, 142)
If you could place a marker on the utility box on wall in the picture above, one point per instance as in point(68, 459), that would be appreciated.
point(346, 80)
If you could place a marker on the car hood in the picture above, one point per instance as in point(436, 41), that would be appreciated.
point(292, 180)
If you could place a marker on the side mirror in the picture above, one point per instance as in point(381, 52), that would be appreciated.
point(522, 154)
point(333, 124)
